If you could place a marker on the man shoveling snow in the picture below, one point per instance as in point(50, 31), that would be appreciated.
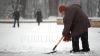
point(76, 23)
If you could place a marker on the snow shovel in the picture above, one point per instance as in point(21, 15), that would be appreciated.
point(55, 46)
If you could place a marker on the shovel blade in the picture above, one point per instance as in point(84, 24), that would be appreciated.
point(51, 52)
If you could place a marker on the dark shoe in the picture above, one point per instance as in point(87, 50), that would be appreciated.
point(13, 26)
point(84, 50)
point(72, 51)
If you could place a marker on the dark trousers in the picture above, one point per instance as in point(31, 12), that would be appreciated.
point(39, 20)
point(15, 22)
point(84, 39)
point(38, 23)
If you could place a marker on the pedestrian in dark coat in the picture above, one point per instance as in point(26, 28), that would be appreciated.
point(76, 23)
point(39, 16)
point(16, 16)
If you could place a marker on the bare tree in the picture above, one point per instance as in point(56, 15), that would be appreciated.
point(17, 4)
point(23, 7)
point(53, 7)
point(89, 8)
point(99, 8)
point(81, 3)
point(28, 8)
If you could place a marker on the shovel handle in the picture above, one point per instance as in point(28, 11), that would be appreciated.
point(58, 43)
point(54, 47)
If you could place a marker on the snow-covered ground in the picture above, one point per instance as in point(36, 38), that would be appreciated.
point(33, 40)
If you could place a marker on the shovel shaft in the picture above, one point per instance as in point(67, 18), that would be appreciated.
point(57, 43)
point(54, 47)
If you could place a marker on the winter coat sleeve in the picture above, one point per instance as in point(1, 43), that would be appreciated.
point(68, 20)
point(35, 15)
point(19, 14)
point(12, 15)
point(41, 15)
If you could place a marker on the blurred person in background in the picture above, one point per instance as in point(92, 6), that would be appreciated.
point(39, 16)
point(16, 16)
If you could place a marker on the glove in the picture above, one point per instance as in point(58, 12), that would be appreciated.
point(67, 38)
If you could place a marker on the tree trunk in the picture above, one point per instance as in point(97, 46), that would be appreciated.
point(99, 8)
point(23, 7)
point(88, 7)
point(53, 7)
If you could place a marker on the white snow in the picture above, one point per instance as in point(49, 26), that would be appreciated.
point(94, 17)
point(33, 40)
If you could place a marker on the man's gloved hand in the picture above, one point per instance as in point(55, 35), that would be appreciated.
point(67, 38)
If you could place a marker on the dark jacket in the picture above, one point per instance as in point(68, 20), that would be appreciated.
point(16, 14)
point(38, 15)
point(75, 20)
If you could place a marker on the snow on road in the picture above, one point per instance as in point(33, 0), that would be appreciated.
point(33, 40)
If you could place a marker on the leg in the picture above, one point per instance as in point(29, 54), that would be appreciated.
point(75, 44)
point(85, 44)
point(14, 22)
point(38, 23)
point(18, 22)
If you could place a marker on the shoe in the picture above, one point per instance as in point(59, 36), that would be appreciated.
point(13, 26)
point(72, 51)
point(84, 50)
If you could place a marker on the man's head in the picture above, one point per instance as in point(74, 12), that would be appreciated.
point(62, 9)
point(38, 10)
point(15, 10)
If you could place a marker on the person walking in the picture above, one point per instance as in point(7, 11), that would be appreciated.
point(16, 16)
point(76, 23)
point(39, 16)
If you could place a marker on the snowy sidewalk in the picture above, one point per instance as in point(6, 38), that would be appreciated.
point(33, 20)
point(33, 40)
point(26, 20)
